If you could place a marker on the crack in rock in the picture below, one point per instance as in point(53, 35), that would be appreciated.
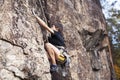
point(14, 44)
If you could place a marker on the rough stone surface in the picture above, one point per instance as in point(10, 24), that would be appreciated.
point(76, 15)
point(22, 54)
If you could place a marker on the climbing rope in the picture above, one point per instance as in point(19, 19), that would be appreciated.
point(45, 36)
point(42, 10)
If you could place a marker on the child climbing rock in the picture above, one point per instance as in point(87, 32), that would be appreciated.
point(55, 45)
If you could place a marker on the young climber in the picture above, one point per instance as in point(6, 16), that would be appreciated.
point(55, 44)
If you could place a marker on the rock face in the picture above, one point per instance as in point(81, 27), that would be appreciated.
point(22, 53)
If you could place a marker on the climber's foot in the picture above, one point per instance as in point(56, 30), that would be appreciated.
point(53, 68)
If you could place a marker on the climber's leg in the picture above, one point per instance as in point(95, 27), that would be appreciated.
point(53, 53)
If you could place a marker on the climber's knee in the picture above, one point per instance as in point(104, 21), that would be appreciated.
point(50, 46)
point(47, 45)
point(49, 49)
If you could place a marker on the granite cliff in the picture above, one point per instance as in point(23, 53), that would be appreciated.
point(22, 53)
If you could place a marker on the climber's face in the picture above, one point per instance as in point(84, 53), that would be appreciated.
point(55, 28)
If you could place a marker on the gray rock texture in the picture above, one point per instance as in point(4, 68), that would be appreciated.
point(22, 53)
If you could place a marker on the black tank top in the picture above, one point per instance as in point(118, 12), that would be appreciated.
point(56, 39)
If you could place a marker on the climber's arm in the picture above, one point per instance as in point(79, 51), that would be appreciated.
point(43, 24)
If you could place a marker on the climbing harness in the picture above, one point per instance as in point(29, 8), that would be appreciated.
point(65, 59)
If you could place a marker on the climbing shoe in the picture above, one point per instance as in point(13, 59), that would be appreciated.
point(53, 68)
